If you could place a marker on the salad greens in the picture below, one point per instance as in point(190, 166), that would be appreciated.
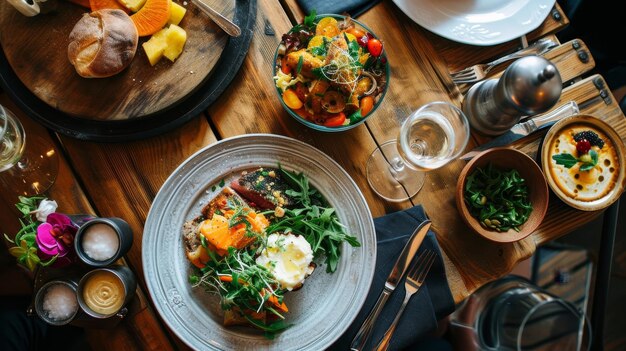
point(498, 199)
point(251, 290)
point(315, 220)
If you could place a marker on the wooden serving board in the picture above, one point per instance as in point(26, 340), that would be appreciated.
point(36, 49)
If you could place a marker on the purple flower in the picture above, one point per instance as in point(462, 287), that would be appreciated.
point(55, 237)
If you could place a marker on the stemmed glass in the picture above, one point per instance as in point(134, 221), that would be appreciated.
point(25, 168)
point(429, 138)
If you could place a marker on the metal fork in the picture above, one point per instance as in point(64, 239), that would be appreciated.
point(479, 71)
point(414, 280)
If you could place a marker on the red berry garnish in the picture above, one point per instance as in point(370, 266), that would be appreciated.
point(583, 146)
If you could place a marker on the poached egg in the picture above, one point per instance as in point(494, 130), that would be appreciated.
point(289, 259)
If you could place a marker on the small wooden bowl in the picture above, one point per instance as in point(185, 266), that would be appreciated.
point(505, 158)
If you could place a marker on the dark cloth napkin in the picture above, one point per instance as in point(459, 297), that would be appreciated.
point(353, 7)
point(431, 303)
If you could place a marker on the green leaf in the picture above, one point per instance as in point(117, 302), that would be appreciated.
point(17, 251)
point(356, 116)
point(369, 63)
point(594, 156)
point(565, 159)
point(300, 63)
point(319, 73)
point(587, 166)
point(320, 50)
point(309, 20)
point(353, 48)
point(222, 183)
point(31, 262)
point(590, 165)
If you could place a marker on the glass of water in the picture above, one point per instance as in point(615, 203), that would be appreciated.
point(429, 138)
point(26, 169)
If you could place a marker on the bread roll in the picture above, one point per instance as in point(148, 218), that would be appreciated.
point(102, 43)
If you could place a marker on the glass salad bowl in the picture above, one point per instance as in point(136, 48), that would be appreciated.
point(331, 72)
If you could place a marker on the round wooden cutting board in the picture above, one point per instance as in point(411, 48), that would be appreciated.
point(141, 101)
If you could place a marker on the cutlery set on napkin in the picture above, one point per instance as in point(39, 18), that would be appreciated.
point(399, 312)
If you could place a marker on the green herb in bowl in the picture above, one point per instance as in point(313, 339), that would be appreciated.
point(498, 198)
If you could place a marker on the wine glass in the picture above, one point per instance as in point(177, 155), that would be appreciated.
point(29, 168)
point(429, 138)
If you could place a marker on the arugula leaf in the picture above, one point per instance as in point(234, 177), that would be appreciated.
point(309, 20)
point(565, 159)
point(497, 198)
point(318, 223)
point(300, 63)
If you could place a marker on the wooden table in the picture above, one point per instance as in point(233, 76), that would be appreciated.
point(122, 179)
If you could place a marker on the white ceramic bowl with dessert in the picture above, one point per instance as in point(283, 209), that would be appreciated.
point(583, 161)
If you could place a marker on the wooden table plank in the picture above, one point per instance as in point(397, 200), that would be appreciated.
point(131, 174)
point(140, 329)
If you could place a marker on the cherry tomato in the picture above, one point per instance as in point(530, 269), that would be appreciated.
point(375, 47)
point(335, 120)
point(356, 32)
point(367, 103)
point(291, 99)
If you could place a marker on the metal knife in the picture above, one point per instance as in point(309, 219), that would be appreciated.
point(523, 129)
point(408, 252)
point(227, 25)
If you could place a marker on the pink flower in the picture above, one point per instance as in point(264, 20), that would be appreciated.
point(56, 238)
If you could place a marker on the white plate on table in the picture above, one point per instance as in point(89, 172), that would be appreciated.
point(478, 22)
point(326, 305)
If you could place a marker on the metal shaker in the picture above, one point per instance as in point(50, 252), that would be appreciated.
point(530, 85)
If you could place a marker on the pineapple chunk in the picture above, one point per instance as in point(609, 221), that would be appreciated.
point(155, 47)
point(133, 5)
point(175, 41)
point(176, 13)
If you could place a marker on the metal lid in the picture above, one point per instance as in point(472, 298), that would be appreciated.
point(532, 84)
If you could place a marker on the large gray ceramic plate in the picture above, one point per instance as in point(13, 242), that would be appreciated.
point(320, 312)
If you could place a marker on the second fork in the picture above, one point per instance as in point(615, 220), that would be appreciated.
point(479, 71)
point(414, 280)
